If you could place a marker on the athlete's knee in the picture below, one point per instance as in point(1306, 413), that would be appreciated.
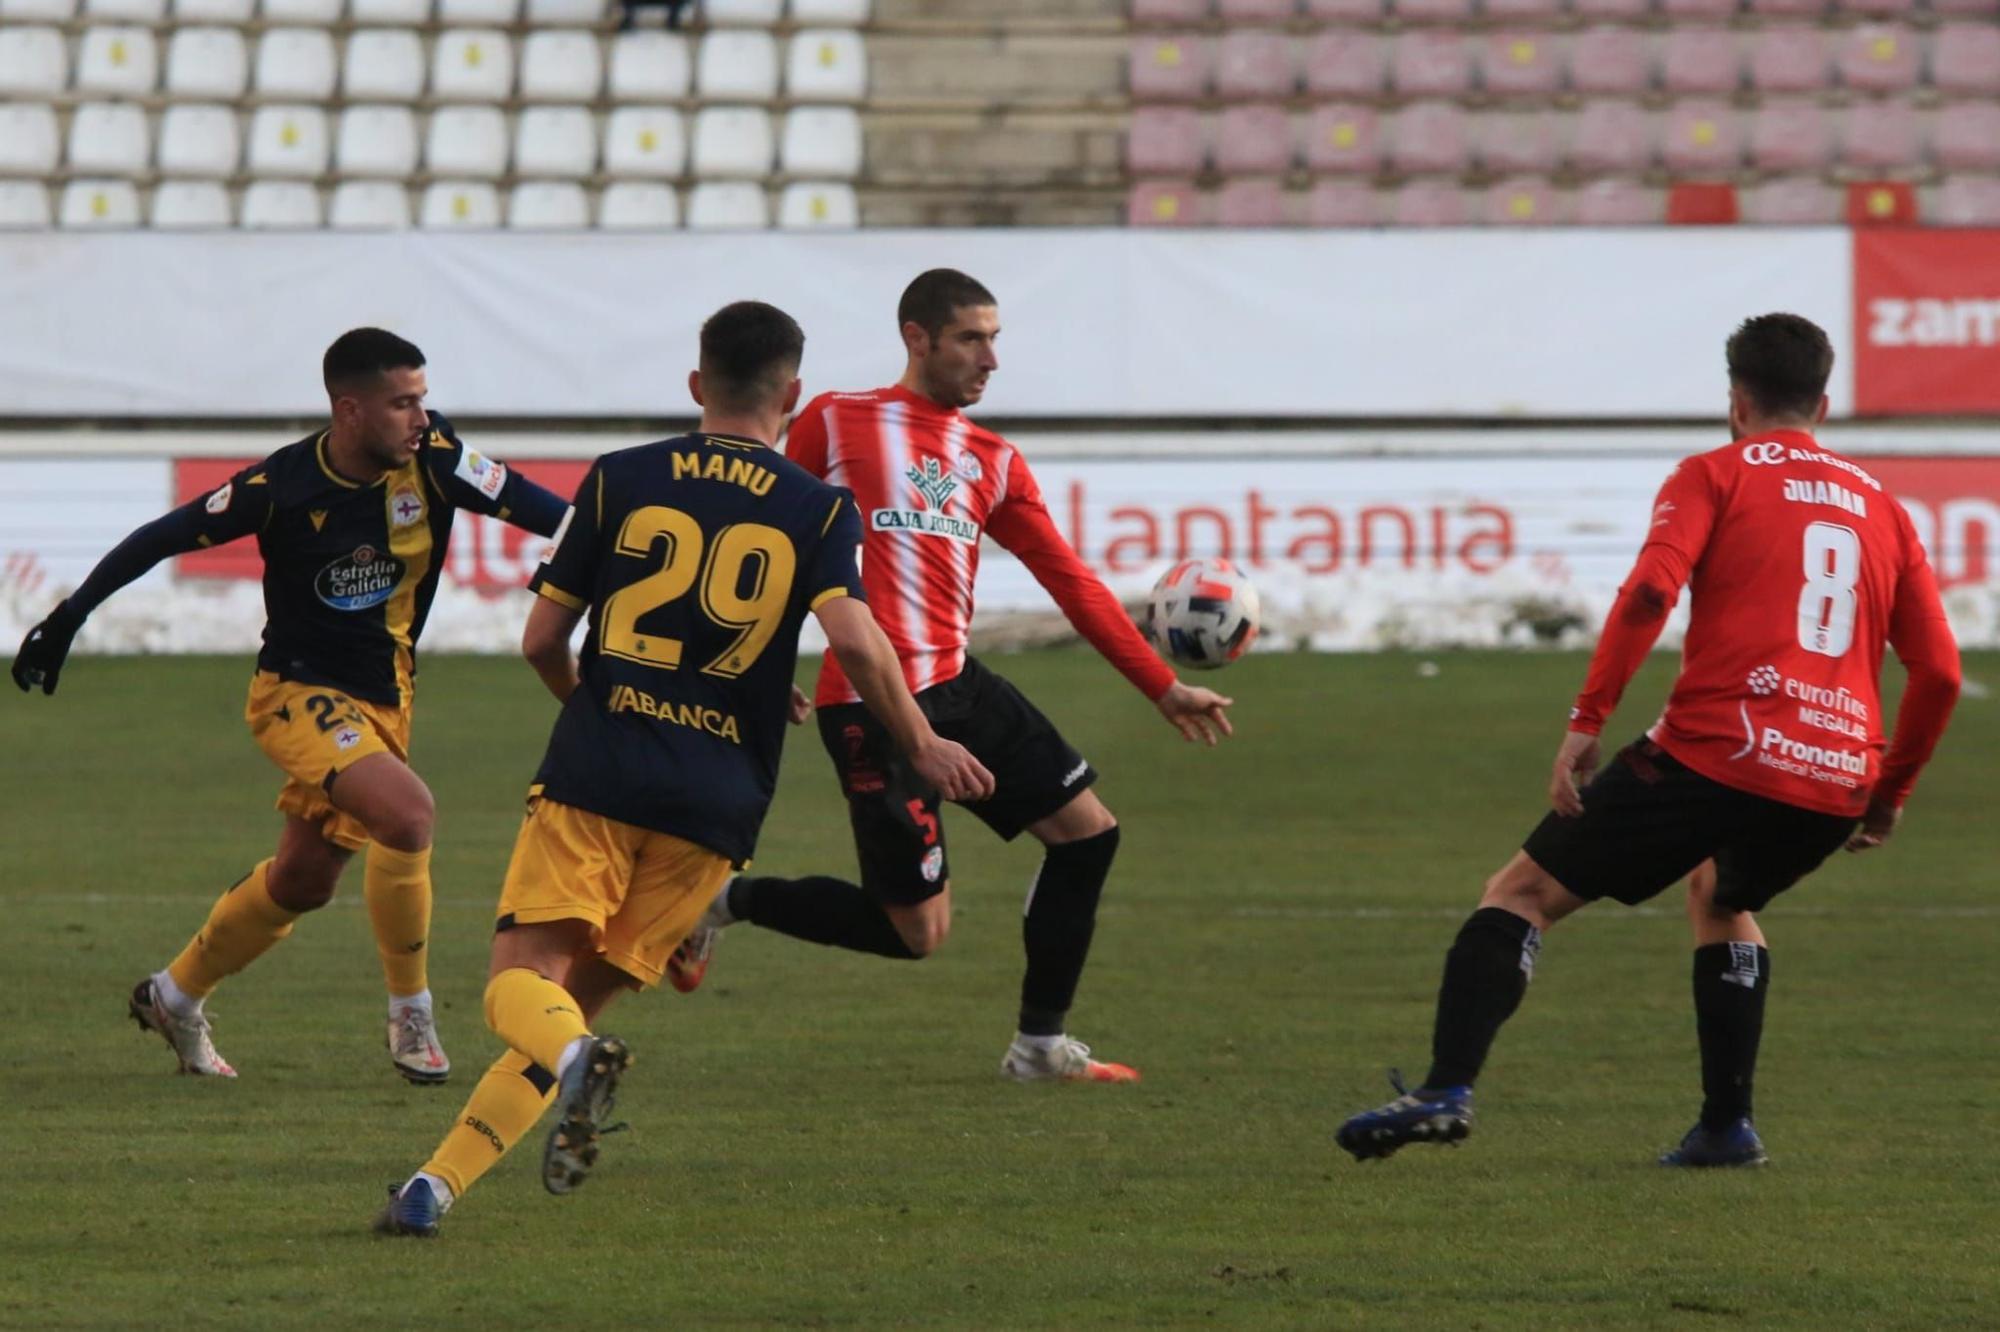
point(1082, 819)
point(1527, 890)
point(406, 825)
point(923, 931)
point(305, 882)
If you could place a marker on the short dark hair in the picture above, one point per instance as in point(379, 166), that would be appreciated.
point(362, 353)
point(935, 296)
point(749, 352)
point(1782, 361)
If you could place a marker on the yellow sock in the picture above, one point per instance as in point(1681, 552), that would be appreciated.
point(504, 1106)
point(243, 923)
point(398, 888)
point(533, 1015)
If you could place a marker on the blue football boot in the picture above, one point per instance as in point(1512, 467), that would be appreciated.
point(1737, 1145)
point(412, 1209)
point(1428, 1114)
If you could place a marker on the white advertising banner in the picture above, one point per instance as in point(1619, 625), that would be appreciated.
point(1566, 323)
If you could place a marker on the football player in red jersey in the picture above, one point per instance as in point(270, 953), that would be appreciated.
point(930, 484)
point(1769, 756)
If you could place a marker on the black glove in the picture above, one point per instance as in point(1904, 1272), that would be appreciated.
point(40, 660)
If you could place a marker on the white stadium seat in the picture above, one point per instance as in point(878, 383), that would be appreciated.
point(846, 13)
point(213, 11)
point(561, 67)
point(124, 11)
point(200, 140)
point(644, 141)
point(297, 63)
point(401, 13)
point(485, 13)
point(734, 205)
point(732, 141)
point(807, 204)
point(279, 205)
point(565, 13)
point(827, 65)
point(472, 65)
point(631, 205)
point(207, 62)
point(821, 141)
point(28, 141)
point(548, 206)
point(649, 67)
point(288, 141)
point(741, 65)
point(117, 60)
point(24, 205)
point(383, 65)
point(38, 11)
point(99, 203)
point(466, 141)
point(311, 13)
point(460, 203)
point(555, 141)
point(109, 139)
point(189, 205)
point(748, 13)
point(32, 60)
point(376, 141)
point(369, 205)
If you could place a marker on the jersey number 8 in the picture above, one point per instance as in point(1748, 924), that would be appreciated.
point(763, 554)
point(1827, 602)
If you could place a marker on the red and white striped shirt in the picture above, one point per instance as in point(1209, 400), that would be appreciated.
point(929, 484)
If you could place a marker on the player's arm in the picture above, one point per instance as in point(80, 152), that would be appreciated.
point(562, 586)
point(1022, 525)
point(236, 509)
point(471, 480)
point(869, 660)
point(805, 441)
point(545, 643)
point(1923, 640)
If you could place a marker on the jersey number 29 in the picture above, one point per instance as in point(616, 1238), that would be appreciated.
point(763, 554)
point(1827, 603)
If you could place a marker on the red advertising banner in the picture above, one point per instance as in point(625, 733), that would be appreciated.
point(1955, 503)
point(1926, 321)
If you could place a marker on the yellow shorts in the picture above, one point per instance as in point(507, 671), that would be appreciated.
point(641, 890)
point(315, 732)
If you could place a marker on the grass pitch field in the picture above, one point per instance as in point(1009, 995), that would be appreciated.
point(821, 1139)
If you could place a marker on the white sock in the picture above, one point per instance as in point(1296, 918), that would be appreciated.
point(1039, 1042)
point(438, 1186)
point(718, 914)
point(172, 997)
point(569, 1055)
point(400, 1003)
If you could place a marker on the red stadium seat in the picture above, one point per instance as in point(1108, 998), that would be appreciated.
point(1616, 10)
point(1430, 63)
point(1343, 138)
point(1975, 8)
point(1169, 11)
point(1170, 66)
point(1966, 137)
point(1791, 136)
point(1342, 203)
point(1458, 13)
point(1968, 201)
point(1520, 62)
point(1702, 137)
point(1517, 142)
point(1165, 140)
point(1881, 135)
point(1524, 201)
point(1429, 137)
point(1610, 60)
point(1706, 11)
point(1346, 64)
point(1879, 57)
point(1965, 58)
point(1253, 139)
point(1614, 136)
point(1347, 11)
point(1507, 11)
point(1880, 8)
point(1881, 203)
point(1428, 203)
point(1793, 201)
point(1617, 203)
point(1788, 8)
point(1256, 11)
point(1250, 203)
point(1701, 60)
point(1165, 203)
point(1255, 64)
point(1701, 204)
point(1789, 59)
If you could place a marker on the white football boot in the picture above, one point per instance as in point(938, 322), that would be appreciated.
point(186, 1036)
point(1059, 1059)
point(414, 1048)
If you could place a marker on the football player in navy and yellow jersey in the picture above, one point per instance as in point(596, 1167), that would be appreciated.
point(352, 522)
point(696, 559)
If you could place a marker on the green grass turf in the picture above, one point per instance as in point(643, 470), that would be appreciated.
point(821, 1139)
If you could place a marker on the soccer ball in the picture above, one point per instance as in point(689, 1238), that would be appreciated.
point(1202, 613)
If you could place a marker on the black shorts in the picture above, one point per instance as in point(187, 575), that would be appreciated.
point(1648, 820)
point(897, 833)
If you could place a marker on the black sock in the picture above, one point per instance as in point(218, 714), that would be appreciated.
point(1730, 981)
point(820, 910)
point(1056, 929)
point(1485, 974)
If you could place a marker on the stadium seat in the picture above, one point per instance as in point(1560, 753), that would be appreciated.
point(1519, 63)
point(566, 13)
point(547, 205)
point(1429, 203)
point(200, 140)
point(737, 65)
point(826, 65)
point(288, 141)
point(479, 13)
point(29, 145)
point(1430, 63)
point(1252, 63)
point(1592, 11)
point(1165, 203)
point(1343, 138)
point(1523, 201)
point(822, 142)
point(1882, 135)
point(1702, 137)
point(1610, 60)
point(728, 205)
point(1699, 11)
point(470, 205)
point(1522, 143)
point(466, 142)
point(37, 11)
point(1342, 203)
point(741, 13)
point(1966, 137)
point(1511, 11)
point(1617, 203)
point(213, 11)
point(189, 205)
point(1792, 201)
point(1170, 67)
point(472, 65)
point(207, 62)
point(279, 205)
point(399, 13)
point(1968, 201)
point(369, 205)
point(1164, 140)
point(1347, 11)
point(124, 11)
point(1965, 58)
point(1457, 13)
point(561, 66)
point(649, 67)
point(1702, 204)
point(1255, 11)
point(1253, 202)
point(556, 141)
point(1877, 57)
point(1429, 137)
point(24, 205)
point(376, 141)
point(297, 63)
point(117, 60)
point(1881, 203)
point(644, 141)
point(1789, 59)
point(1613, 136)
point(1701, 60)
point(99, 203)
point(110, 139)
point(383, 64)
point(1791, 136)
point(731, 141)
point(1979, 8)
point(1253, 139)
point(1880, 8)
point(1346, 64)
point(315, 13)
point(630, 205)
point(33, 61)
point(811, 205)
point(1789, 8)
point(851, 13)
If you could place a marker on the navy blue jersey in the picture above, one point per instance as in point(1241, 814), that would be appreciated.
point(698, 559)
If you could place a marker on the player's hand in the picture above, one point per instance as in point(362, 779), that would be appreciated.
point(801, 709)
point(1877, 826)
point(40, 660)
point(951, 768)
point(1196, 713)
point(1576, 764)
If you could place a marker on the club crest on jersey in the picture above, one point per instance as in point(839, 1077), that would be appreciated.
point(485, 475)
point(219, 501)
point(934, 487)
point(406, 508)
point(968, 466)
point(360, 581)
point(932, 865)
